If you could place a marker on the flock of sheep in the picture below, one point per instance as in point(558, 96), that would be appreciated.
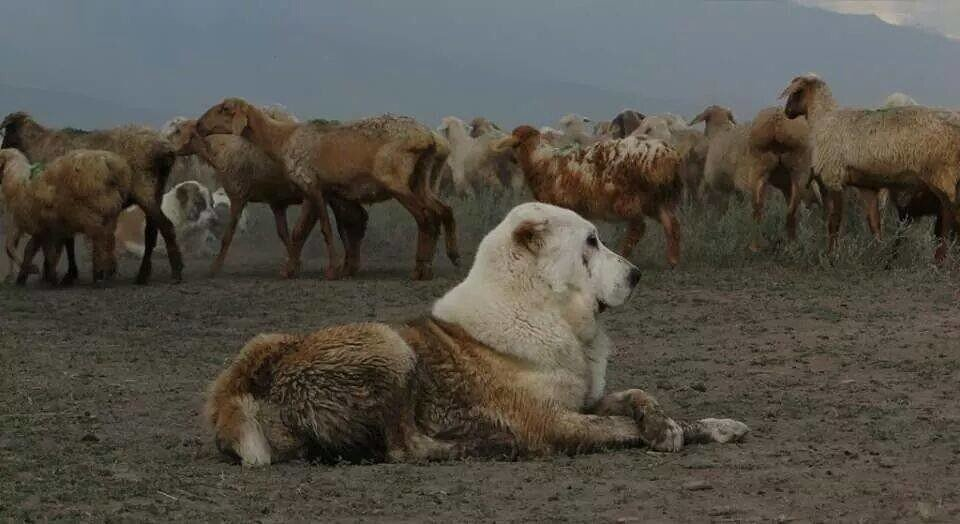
point(58, 183)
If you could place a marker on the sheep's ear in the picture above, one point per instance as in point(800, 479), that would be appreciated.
point(239, 123)
point(702, 117)
point(795, 85)
point(530, 234)
point(507, 142)
point(182, 195)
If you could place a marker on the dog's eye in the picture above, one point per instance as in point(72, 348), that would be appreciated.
point(592, 240)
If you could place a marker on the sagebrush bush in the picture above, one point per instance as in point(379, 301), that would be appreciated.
point(709, 239)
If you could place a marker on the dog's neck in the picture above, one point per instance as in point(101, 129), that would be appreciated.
point(553, 332)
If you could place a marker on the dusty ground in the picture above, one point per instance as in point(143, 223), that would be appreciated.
point(849, 382)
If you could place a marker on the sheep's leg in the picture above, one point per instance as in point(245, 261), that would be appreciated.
point(315, 210)
point(352, 221)
point(236, 209)
point(635, 231)
point(871, 206)
point(834, 217)
point(793, 203)
point(427, 232)
point(945, 229)
point(73, 272)
point(308, 219)
point(671, 231)
point(442, 212)
point(759, 196)
point(51, 259)
point(155, 221)
point(10, 246)
point(29, 252)
point(280, 220)
point(101, 262)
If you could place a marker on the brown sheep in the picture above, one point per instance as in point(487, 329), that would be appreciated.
point(616, 180)
point(81, 192)
point(248, 175)
point(148, 154)
point(366, 161)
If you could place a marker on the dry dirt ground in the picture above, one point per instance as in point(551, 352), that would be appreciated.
point(849, 382)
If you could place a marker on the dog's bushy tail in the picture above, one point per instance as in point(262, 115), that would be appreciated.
point(234, 399)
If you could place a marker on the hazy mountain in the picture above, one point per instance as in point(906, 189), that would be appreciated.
point(100, 62)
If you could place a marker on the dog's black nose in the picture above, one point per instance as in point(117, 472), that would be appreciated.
point(634, 277)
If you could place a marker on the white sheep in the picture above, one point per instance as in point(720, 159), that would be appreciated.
point(902, 147)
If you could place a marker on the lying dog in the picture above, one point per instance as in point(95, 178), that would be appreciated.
point(189, 206)
point(511, 361)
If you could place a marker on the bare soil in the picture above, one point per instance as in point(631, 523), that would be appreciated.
point(849, 381)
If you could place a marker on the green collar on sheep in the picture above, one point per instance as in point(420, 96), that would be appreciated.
point(35, 169)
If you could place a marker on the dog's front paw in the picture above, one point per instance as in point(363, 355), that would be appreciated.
point(661, 433)
point(724, 430)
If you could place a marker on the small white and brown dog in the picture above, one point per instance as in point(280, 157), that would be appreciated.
point(189, 205)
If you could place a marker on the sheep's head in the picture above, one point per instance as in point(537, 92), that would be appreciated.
point(182, 134)
point(480, 126)
point(228, 117)
point(625, 123)
point(574, 124)
point(654, 127)
point(800, 94)
point(520, 136)
point(10, 128)
point(714, 114)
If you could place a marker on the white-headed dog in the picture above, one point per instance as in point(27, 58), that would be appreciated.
point(189, 206)
point(511, 361)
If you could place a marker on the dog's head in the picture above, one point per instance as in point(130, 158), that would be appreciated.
point(194, 202)
point(557, 252)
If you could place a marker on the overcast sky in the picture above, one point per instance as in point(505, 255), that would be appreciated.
point(102, 62)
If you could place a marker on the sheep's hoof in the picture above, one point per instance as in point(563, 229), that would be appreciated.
point(423, 273)
point(333, 273)
point(68, 280)
point(291, 270)
point(454, 259)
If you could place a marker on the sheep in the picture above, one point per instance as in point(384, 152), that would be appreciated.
point(246, 173)
point(625, 123)
point(553, 136)
point(897, 148)
point(366, 161)
point(744, 158)
point(601, 129)
point(918, 201)
point(690, 143)
point(83, 191)
point(616, 180)
point(574, 129)
point(480, 126)
point(150, 157)
point(472, 162)
point(898, 100)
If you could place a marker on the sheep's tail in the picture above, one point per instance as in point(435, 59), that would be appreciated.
point(432, 157)
point(234, 398)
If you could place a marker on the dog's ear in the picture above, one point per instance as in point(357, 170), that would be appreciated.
point(182, 195)
point(530, 234)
